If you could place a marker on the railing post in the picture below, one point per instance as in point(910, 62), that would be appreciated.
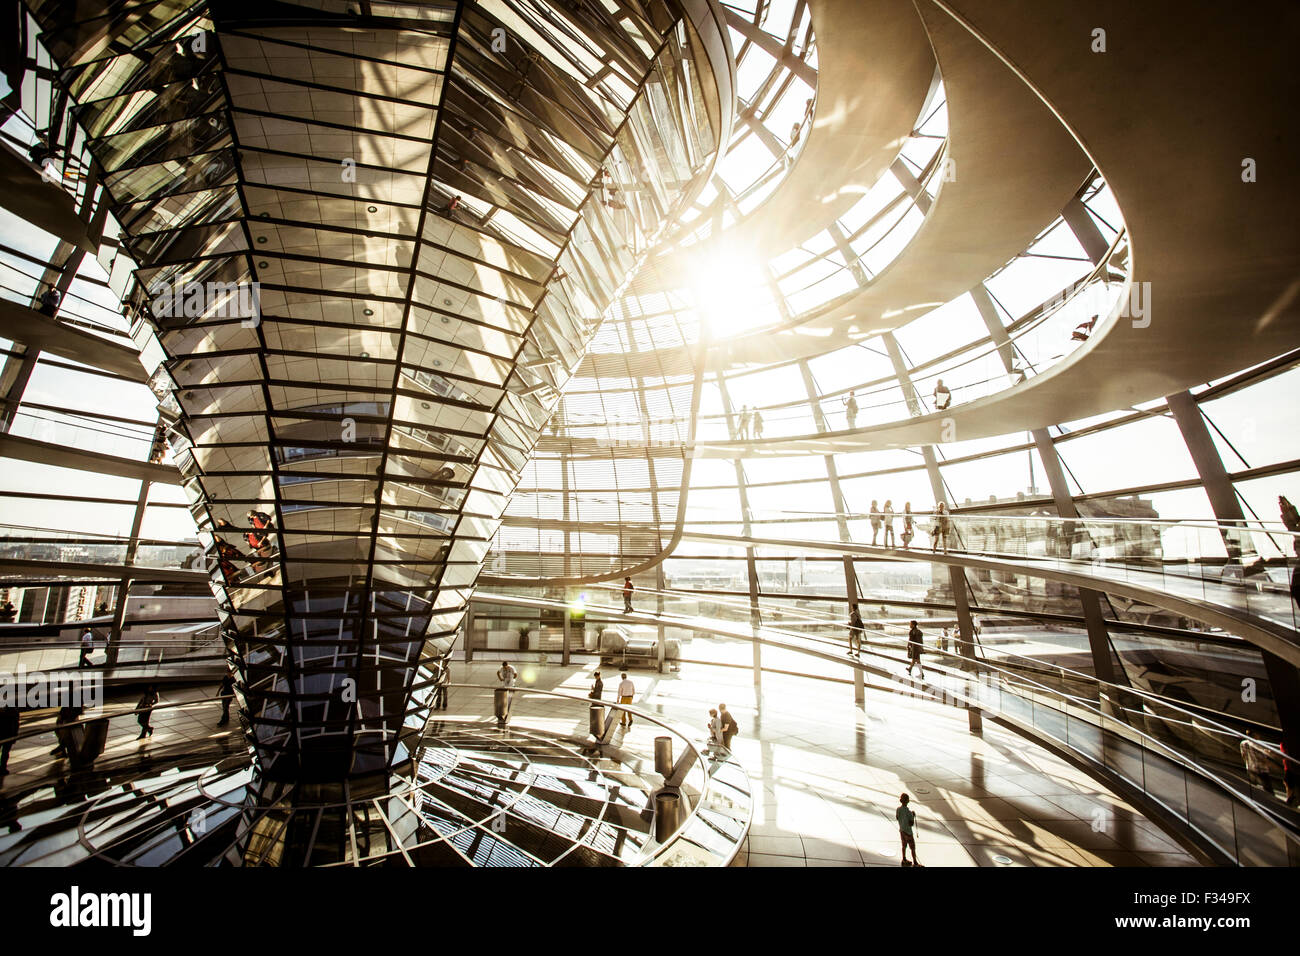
point(564, 651)
point(664, 756)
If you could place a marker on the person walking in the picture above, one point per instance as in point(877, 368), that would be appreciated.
point(939, 528)
point(758, 424)
point(627, 595)
point(743, 428)
point(887, 522)
point(626, 694)
point(855, 631)
point(906, 818)
point(144, 711)
point(909, 530)
point(875, 520)
point(226, 693)
point(728, 725)
point(851, 410)
point(914, 639)
point(87, 645)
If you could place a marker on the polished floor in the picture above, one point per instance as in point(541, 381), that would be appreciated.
point(825, 773)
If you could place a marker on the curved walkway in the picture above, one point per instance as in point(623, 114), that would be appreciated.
point(1014, 169)
point(1218, 257)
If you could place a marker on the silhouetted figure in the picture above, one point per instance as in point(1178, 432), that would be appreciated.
point(887, 522)
point(65, 732)
point(909, 529)
point(906, 818)
point(627, 595)
point(729, 726)
point(939, 528)
point(758, 424)
point(851, 410)
point(50, 301)
point(855, 631)
point(226, 693)
point(874, 516)
point(742, 429)
point(144, 711)
point(942, 396)
point(914, 644)
point(9, 721)
point(8, 613)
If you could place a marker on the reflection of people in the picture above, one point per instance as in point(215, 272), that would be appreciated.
point(8, 613)
point(1258, 761)
point(441, 678)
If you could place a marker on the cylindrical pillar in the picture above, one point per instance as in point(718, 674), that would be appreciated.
point(596, 720)
point(501, 704)
point(664, 756)
point(667, 805)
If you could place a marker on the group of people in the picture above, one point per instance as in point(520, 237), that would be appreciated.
point(915, 639)
point(722, 727)
point(750, 424)
point(882, 519)
point(626, 694)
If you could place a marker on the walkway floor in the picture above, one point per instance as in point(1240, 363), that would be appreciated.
point(827, 775)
